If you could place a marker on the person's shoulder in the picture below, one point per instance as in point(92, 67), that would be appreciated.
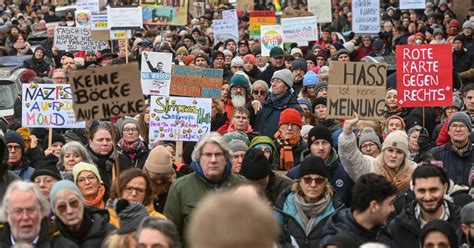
point(185, 180)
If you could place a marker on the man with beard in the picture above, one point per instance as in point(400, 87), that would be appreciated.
point(430, 184)
point(239, 90)
point(467, 226)
point(277, 62)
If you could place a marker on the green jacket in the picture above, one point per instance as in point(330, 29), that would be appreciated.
point(186, 192)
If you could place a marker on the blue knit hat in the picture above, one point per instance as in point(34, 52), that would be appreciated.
point(240, 80)
point(60, 185)
point(310, 79)
point(306, 102)
point(14, 137)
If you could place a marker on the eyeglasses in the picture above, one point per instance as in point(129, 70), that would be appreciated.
point(210, 154)
point(130, 129)
point(13, 147)
point(68, 63)
point(318, 180)
point(259, 92)
point(62, 207)
point(130, 190)
point(19, 211)
point(365, 146)
point(460, 126)
point(90, 178)
point(287, 125)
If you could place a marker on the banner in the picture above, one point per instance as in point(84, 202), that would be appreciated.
point(197, 8)
point(356, 87)
point(196, 81)
point(179, 118)
point(321, 9)
point(48, 105)
point(366, 16)
point(424, 75)
point(412, 4)
point(106, 92)
point(124, 18)
point(73, 39)
point(302, 29)
point(157, 12)
point(271, 36)
point(259, 18)
point(156, 73)
point(90, 5)
point(98, 22)
point(83, 18)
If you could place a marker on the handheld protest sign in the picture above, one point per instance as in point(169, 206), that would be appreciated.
point(321, 9)
point(73, 39)
point(366, 16)
point(424, 75)
point(156, 73)
point(195, 81)
point(174, 13)
point(356, 87)
point(258, 19)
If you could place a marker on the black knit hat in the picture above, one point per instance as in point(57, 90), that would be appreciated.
point(56, 137)
point(442, 227)
point(320, 100)
point(255, 165)
point(313, 165)
point(319, 131)
point(47, 167)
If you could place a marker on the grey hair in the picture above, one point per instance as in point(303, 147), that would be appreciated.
point(260, 83)
point(212, 137)
point(166, 227)
point(414, 129)
point(24, 187)
point(75, 147)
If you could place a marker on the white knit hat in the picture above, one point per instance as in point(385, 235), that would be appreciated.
point(397, 139)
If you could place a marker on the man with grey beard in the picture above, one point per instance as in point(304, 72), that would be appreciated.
point(239, 90)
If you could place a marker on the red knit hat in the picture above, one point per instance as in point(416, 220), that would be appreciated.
point(251, 58)
point(292, 116)
point(188, 59)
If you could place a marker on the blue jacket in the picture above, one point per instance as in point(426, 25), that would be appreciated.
point(457, 167)
point(266, 120)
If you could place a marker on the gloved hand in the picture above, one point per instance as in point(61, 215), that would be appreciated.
point(423, 140)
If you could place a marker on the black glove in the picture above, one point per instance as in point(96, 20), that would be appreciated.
point(423, 141)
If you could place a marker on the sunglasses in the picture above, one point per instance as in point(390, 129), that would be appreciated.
point(61, 208)
point(318, 180)
point(259, 92)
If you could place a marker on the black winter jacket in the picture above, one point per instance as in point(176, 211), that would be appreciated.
point(457, 167)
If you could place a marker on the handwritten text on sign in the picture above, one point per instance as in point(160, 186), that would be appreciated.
point(357, 87)
point(424, 75)
point(48, 105)
point(366, 16)
point(72, 39)
point(299, 29)
point(195, 81)
point(179, 118)
point(102, 93)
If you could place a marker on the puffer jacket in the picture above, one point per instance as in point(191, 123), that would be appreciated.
point(457, 167)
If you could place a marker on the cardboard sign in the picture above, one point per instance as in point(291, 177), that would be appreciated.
point(196, 81)
point(179, 118)
point(259, 18)
point(366, 16)
point(157, 12)
point(73, 39)
point(48, 105)
point(424, 75)
point(300, 29)
point(271, 36)
point(156, 73)
point(197, 8)
point(289, 12)
point(321, 9)
point(91, 5)
point(106, 92)
point(83, 18)
point(356, 87)
point(98, 22)
point(225, 29)
point(412, 4)
point(245, 5)
point(100, 35)
point(124, 18)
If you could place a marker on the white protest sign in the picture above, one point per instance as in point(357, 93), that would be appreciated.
point(124, 18)
point(98, 22)
point(412, 4)
point(270, 36)
point(73, 39)
point(230, 14)
point(90, 5)
point(225, 29)
point(321, 9)
point(83, 18)
point(300, 29)
point(48, 105)
point(179, 118)
point(156, 73)
point(366, 16)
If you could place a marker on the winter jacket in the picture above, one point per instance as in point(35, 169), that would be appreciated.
point(218, 121)
point(462, 60)
point(266, 120)
point(457, 167)
point(344, 221)
point(115, 219)
point(6, 178)
point(138, 161)
point(24, 171)
point(443, 136)
point(41, 67)
point(105, 164)
point(405, 228)
point(267, 74)
point(292, 222)
point(276, 185)
point(338, 177)
point(35, 155)
point(97, 230)
point(45, 239)
point(186, 192)
point(297, 152)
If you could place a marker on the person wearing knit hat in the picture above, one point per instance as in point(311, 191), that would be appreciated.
point(324, 74)
point(17, 162)
point(237, 64)
point(57, 142)
point(189, 60)
point(296, 52)
point(305, 104)
point(250, 66)
point(393, 123)
point(201, 60)
point(267, 145)
point(320, 89)
point(74, 221)
point(89, 181)
point(289, 139)
point(320, 133)
point(461, 118)
point(310, 79)
point(349, 46)
point(305, 131)
point(298, 69)
point(236, 135)
point(25, 134)
point(237, 149)
point(249, 58)
point(181, 53)
point(343, 55)
point(438, 233)
point(369, 142)
point(467, 221)
point(159, 162)
point(46, 174)
point(283, 76)
point(320, 108)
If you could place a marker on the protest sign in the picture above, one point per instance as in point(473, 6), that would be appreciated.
point(225, 29)
point(424, 75)
point(366, 16)
point(48, 105)
point(259, 18)
point(179, 118)
point(100, 35)
point(158, 12)
point(321, 9)
point(120, 34)
point(98, 22)
point(106, 92)
point(196, 81)
point(356, 87)
point(91, 5)
point(412, 4)
point(73, 39)
point(83, 18)
point(271, 36)
point(197, 8)
point(290, 12)
point(124, 18)
point(245, 5)
point(301, 29)
point(156, 73)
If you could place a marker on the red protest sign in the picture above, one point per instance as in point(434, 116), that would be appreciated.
point(424, 75)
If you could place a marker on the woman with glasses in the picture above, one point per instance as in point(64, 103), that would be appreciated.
point(133, 151)
point(304, 209)
point(133, 185)
point(260, 91)
point(87, 178)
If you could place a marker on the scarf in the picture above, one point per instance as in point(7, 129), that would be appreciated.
point(309, 211)
point(286, 150)
point(400, 179)
point(231, 128)
point(131, 148)
point(461, 151)
point(98, 200)
point(76, 236)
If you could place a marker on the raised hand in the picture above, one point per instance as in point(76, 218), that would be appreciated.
point(349, 124)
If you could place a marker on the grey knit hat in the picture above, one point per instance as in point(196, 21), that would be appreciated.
point(461, 117)
point(125, 121)
point(467, 213)
point(238, 146)
point(368, 134)
point(284, 75)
